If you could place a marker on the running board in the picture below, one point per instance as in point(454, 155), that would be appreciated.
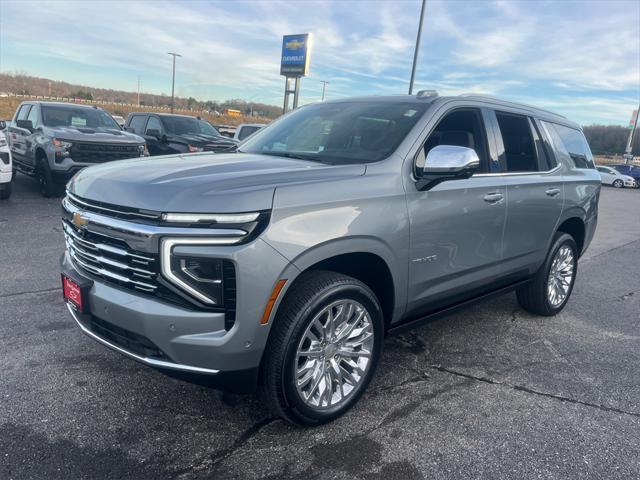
point(411, 324)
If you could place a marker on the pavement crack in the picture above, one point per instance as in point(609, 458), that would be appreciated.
point(521, 388)
point(225, 453)
point(28, 292)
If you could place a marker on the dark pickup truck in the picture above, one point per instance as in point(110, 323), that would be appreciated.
point(168, 134)
point(52, 141)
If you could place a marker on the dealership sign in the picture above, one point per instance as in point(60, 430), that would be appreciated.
point(294, 61)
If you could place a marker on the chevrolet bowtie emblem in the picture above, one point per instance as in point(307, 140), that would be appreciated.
point(79, 221)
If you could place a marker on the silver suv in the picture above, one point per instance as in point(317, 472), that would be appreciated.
point(282, 266)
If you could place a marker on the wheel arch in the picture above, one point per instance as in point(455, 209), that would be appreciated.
point(574, 226)
point(366, 259)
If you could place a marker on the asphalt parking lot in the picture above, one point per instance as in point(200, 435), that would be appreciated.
point(490, 392)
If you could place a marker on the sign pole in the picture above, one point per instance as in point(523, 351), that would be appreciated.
point(628, 155)
point(294, 64)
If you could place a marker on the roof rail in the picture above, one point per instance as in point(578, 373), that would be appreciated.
point(509, 102)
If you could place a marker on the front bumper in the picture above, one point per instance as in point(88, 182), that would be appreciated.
point(186, 343)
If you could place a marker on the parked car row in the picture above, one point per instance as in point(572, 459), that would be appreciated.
point(52, 141)
point(612, 175)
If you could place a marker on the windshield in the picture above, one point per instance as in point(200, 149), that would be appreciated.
point(188, 126)
point(349, 132)
point(68, 116)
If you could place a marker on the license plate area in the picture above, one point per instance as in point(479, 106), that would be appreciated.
point(75, 292)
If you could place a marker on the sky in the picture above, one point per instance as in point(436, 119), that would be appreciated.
point(578, 58)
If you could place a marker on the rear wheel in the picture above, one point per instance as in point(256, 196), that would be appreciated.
point(324, 348)
point(550, 289)
point(618, 183)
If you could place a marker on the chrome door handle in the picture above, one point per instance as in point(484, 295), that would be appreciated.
point(552, 192)
point(493, 197)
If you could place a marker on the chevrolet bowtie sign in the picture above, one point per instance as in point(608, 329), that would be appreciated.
point(295, 55)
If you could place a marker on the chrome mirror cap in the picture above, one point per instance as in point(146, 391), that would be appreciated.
point(450, 160)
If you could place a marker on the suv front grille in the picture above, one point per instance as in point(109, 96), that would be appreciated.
point(99, 153)
point(111, 259)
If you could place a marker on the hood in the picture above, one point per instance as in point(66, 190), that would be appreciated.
point(199, 140)
point(199, 183)
point(85, 134)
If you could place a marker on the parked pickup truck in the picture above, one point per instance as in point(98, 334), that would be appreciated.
point(284, 265)
point(52, 141)
point(168, 134)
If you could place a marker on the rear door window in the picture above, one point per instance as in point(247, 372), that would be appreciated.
point(137, 123)
point(571, 143)
point(520, 152)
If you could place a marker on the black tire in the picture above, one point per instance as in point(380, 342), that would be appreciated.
point(533, 297)
point(311, 293)
point(618, 183)
point(48, 188)
point(5, 191)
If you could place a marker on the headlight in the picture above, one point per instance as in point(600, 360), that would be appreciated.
point(193, 149)
point(61, 144)
point(3, 142)
point(200, 277)
point(143, 150)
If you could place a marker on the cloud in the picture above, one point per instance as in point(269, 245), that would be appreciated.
point(543, 50)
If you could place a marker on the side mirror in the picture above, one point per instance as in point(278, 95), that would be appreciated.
point(3, 125)
point(129, 129)
point(26, 124)
point(153, 132)
point(447, 162)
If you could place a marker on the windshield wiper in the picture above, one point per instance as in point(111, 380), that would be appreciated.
point(298, 156)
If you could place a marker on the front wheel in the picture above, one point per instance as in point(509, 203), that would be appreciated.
point(550, 289)
point(618, 183)
point(324, 348)
point(48, 188)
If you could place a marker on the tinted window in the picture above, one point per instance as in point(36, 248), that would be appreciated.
point(137, 123)
point(154, 124)
point(519, 147)
point(176, 125)
point(461, 128)
point(572, 143)
point(24, 111)
point(623, 168)
point(70, 116)
point(246, 131)
point(346, 132)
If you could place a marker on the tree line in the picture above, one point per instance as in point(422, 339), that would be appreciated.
point(610, 139)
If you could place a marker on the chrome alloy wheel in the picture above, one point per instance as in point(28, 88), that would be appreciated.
point(334, 354)
point(560, 276)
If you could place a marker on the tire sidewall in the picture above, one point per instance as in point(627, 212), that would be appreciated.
point(355, 292)
point(562, 240)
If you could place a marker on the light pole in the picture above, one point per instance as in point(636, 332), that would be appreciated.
point(173, 78)
point(415, 52)
point(324, 86)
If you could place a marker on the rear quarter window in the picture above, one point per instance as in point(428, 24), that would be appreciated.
point(571, 144)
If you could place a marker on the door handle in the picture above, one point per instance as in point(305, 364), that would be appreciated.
point(552, 192)
point(493, 198)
